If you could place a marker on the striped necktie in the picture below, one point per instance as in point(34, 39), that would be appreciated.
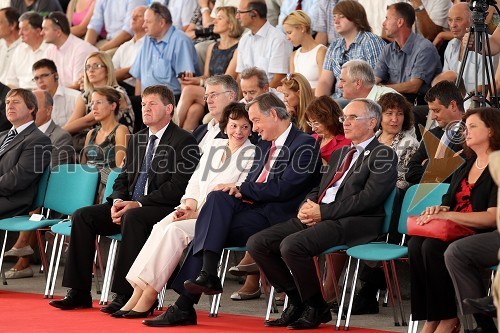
point(140, 185)
point(8, 139)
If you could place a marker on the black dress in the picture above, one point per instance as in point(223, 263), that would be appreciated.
point(220, 59)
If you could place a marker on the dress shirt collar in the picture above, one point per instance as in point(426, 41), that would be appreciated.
point(23, 127)
point(59, 90)
point(280, 140)
point(263, 31)
point(408, 47)
point(362, 146)
point(165, 37)
point(158, 134)
point(44, 127)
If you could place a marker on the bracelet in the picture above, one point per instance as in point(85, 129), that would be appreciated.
point(204, 9)
point(419, 8)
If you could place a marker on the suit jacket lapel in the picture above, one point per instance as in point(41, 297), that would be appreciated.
point(50, 129)
point(325, 181)
point(161, 150)
point(19, 138)
point(363, 155)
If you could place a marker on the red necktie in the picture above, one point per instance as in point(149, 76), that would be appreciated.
point(267, 167)
point(343, 168)
point(299, 5)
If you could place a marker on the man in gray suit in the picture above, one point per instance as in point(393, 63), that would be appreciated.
point(23, 150)
point(62, 153)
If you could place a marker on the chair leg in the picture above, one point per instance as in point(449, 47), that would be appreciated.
point(386, 298)
point(344, 291)
point(412, 326)
point(320, 276)
point(398, 291)
point(353, 290)
point(391, 293)
point(51, 268)
point(1, 259)
point(329, 257)
point(222, 275)
point(161, 298)
point(43, 250)
point(107, 275)
point(270, 303)
point(56, 267)
point(97, 261)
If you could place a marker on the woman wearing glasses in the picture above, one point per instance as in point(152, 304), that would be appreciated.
point(98, 72)
point(298, 94)
point(105, 145)
point(220, 59)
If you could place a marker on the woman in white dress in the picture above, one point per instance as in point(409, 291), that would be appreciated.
point(228, 161)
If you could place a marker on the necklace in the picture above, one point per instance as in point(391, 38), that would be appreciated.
point(477, 166)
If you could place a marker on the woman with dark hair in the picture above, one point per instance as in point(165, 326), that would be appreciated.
point(323, 117)
point(471, 201)
point(105, 145)
point(397, 131)
point(227, 161)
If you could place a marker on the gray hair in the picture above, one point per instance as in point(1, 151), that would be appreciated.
point(259, 73)
point(268, 101)
point(360, 70)
point(372, 109)
point(34, 19)
point(226, 81)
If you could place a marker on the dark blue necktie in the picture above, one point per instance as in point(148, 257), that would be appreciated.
point(140, 185)
point(8, 139)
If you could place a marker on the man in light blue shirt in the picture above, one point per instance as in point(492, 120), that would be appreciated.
point(166, 52)
point(288, 6)
point(114, 16)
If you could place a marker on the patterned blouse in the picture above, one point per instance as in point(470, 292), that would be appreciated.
point(462, 197)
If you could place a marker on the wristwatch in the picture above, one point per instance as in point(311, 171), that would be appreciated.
point(419, 8)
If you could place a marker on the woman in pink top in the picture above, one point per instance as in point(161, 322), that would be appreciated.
point(79, 13)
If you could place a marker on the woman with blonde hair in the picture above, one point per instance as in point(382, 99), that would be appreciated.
point(308, 59)
point(98, 72)
point(221, 59)
point(298, 95)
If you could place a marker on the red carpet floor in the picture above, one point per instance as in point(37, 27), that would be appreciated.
point(22, 312)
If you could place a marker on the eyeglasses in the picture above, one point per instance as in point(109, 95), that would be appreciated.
point(243, 11)
point(350, 118)
point(94, 66)
point(214, 95)
point(41, 76)
point(313, 123)
point(98, 102)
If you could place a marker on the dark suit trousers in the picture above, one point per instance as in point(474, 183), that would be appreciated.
point(432, 293)
point(466, 260)
point(286, 250)
point(223, 221)
point(96, 220)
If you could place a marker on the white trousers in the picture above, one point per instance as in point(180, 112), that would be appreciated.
point(161, 253)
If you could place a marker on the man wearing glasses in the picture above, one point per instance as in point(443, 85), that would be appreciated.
point(66, 50)
point(166, 53)
point(263, 46)
point(346, 208)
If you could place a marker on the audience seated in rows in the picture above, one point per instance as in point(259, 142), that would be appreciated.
point(357, 42)
point(99, 72)
point(67, 51)
point(309, 57)
point(470, 201)
point(21, 167)
point(140, 198)
point(221, 59)
point(263, 46)
point(32, 48)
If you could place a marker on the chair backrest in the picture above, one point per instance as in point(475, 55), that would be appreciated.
point(42, 188)
point(417, 198)
point(110, 182)
point(71, 186)
point(388, 208)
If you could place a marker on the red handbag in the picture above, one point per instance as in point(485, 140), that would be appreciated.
point(445, 230)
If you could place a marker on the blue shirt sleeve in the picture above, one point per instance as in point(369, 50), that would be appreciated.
point(97, 21)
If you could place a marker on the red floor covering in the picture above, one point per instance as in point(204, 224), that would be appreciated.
point(23, 312)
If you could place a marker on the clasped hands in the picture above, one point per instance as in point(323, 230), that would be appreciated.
point(431, 213)
point(309, 213)
point(184, 213)
point(119, 208)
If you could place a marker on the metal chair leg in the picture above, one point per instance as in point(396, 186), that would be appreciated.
point(1, 259)
point(353, 289)
point(107, 275)
point(56, 267)
point(344, 291)
point(51, 268)
point(391, 293)
point(161, 298)
point(398, 291)
point(222, 275)
point(270, 303)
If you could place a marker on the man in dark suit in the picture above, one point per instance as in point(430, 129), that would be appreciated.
point(159, 163)
point(346, 208)
point(286, 166)
point(23, 154)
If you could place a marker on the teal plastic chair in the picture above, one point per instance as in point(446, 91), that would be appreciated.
point(416, 199)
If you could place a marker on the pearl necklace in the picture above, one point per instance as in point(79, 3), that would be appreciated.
point(477, 166)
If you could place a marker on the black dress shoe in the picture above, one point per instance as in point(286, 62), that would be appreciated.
point(204, 283)
point(485, 305)
point(74, 300)
point(118, 302)
point(173, 317)
point(289, 315)
point(311, 318)
point(363, 305)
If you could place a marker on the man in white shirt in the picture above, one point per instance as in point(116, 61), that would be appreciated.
point(66, 50)
point(126, 53)
point(33, 48)
point(263, 46)
point(46, 77)
point(9, 38)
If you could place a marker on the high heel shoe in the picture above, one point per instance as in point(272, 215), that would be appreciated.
point(119, 313)
point(135, 314)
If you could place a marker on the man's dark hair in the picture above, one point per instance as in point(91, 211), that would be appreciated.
point(12, 16)
point(34, 19)
point(259, 6)
point(59, 20)
point(161, 11)
point(44, 63)
point(445, 92)
point(27, 96)
point(406, 12)
point(166, 95)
